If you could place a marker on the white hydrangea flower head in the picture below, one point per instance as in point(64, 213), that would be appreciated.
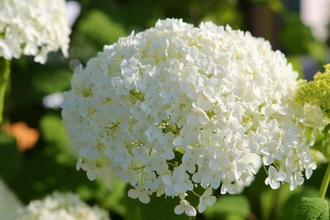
point(33, 28)
point(177, 107)
point(9, 203)
point(64, 206)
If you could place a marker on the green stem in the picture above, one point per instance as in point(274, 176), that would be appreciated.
point(4, 79)
point(325, 183)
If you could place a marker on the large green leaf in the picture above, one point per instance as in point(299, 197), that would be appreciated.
point(312, 209)
point(287, 200)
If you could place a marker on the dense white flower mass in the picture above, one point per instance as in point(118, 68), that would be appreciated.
point(178, 107)
point(64, 206)
point(33, 27)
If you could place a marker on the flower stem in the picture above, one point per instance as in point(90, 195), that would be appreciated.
point(4, 79)
point(325, 183)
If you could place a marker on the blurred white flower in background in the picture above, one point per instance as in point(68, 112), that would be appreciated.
point(53, 100)
point(178, 107)
point(72, 11)
point(315, 14)
point(33, 28)
point(64, 206)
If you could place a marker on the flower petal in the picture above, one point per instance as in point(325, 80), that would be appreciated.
point(178, 209)
point(133, 193)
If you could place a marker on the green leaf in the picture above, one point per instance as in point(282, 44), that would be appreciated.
point(312, 208)
point(287, 200)
point(10, 157)
point(229, 207)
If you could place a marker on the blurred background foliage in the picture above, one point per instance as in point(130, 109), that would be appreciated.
point(34, 152)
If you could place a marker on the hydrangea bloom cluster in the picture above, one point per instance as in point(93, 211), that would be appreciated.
point(9, 203)
point(33, 27)
point(178, 107)
point(64, 206)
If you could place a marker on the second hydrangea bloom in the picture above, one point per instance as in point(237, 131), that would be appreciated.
point(64, 206)
point(175, 107)
point(33, 27)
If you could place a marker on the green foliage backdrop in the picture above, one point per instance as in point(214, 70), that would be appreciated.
point(50, 164)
